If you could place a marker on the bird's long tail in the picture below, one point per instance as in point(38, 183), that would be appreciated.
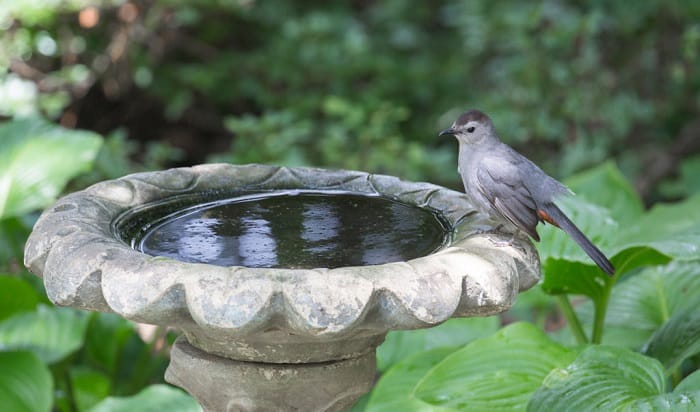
point(555, 216)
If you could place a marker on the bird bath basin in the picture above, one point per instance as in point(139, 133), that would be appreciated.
point(284, 229)
point(283, 281)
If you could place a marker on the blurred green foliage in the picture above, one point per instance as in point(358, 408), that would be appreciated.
point(366, 85)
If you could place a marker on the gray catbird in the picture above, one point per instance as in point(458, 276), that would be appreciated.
point(504, 184)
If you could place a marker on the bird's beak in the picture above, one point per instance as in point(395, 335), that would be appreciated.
point(447, 132)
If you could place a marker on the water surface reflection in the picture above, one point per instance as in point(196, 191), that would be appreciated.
point(297, 230)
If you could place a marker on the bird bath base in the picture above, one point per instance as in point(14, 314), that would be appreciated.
point(281, 336)
point(222, 384)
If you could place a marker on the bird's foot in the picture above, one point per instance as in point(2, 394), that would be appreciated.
point(486, 228)
point(497, 234)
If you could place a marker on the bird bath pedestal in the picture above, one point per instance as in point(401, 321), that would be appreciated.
point(280, 336)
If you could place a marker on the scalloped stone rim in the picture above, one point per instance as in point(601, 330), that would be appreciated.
point(260, 313)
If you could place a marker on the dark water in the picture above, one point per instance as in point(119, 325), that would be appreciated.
point(295, 230)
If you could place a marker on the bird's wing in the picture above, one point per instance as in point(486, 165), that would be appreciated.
point(502, 184)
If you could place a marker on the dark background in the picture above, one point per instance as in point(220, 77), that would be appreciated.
point(365, 84)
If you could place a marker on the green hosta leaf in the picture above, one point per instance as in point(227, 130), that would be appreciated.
point(690, 383)
point(605, 203)
point(677, 401)
point(563, 276)
point(14, 231)
point(566, 267)
point(25, 383)
point(89, 386)
point(532, 305)
point(36, 161)
point(667, 232)
point(672, 229)
point(499, 372)
point(626, 247)
point(145, 362)
point(16, 296)
point(106, 352)
point(361, 404)
point(610, 378)
point(455, 332)
point(678, 339)
point(644, 303)
point(636, 257)
point(51, 333)
point(593, 220)
point(394, 391)
point(605, 185)
point(153, 398)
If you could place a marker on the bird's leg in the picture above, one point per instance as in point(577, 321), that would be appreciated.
point(490, 229)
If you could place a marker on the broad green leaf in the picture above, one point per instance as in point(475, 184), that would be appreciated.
point(36, 283)
point(394, 391)
point(15, 296)
point(496, 373)
point(604, 203)
point(25, 383)
point(125, 354)
point(36, 161)
point(361, 404)
point(610, 378)
point(454, 332)
point(88, 386)
point(532, 305)
point(567, 268)
point(689, 383)
point(672, 229)
point(625, 251)
point(605, 185)
point(677, 401)
point(106, 352)
point(642, 304)
point(14, 231)
point(677, 339)
point(153, 398)
point(666, 232)
point(51, 333)
point(593, 220)
point(563, 276)
point(636, 257)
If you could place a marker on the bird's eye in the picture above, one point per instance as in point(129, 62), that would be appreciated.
point(470, 129)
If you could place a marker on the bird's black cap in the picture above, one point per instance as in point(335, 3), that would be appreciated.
point(472, 115)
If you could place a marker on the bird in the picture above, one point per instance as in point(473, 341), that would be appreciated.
point(509, 187)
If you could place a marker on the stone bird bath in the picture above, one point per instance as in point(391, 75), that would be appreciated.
point(280, 336)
